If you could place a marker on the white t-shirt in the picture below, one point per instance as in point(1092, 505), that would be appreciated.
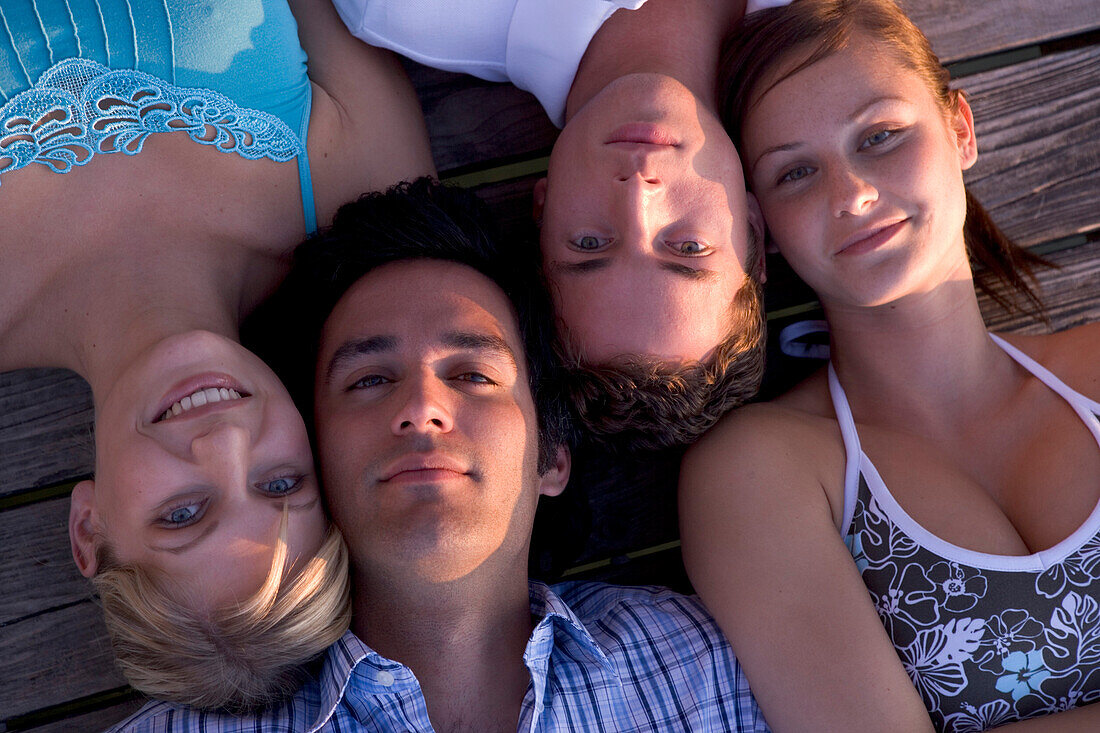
point(535, 44)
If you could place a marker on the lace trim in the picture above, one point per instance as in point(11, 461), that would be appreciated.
point(79, 108)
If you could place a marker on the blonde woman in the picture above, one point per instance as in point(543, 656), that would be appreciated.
point(157, 165)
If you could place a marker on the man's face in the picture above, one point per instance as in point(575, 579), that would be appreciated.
point(645, 224)
point(426, 427)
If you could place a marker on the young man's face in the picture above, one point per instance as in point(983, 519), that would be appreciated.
point(645, 233)
point(426, 427)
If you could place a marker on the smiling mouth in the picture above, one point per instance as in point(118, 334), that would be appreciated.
point(871, 239)
point(200, 398)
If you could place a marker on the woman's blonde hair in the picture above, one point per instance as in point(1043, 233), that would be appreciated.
point(235, 659)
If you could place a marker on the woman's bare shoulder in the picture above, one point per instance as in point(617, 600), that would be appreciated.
point(1072, 355)
point(795, 433)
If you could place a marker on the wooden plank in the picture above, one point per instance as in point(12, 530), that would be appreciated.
point(37, 571)
point(96, 720)
point(473, 122)
point(1038, 123)
point(55, 657)
point(962, 29)
point(1071, 294)
point(45, 428)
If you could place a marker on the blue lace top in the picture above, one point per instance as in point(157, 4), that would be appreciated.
point(85, 77)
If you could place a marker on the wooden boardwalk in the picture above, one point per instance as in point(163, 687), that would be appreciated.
point(1032, 70)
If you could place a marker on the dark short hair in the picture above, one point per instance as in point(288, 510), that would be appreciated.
point(642, 403)
point(639, 402)
point(422, 219)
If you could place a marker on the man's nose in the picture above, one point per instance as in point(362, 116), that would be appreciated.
point(639, 167)
point(425, 407)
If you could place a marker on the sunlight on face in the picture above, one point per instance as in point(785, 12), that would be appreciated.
point(197, 491)
point(858, 170)
point(426, 425)
point(645, 235)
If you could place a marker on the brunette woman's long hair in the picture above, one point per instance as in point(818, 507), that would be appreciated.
point(813, 29)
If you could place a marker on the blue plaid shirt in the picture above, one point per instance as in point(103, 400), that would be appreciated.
point(602, 658)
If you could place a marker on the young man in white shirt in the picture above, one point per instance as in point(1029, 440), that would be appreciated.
point(649, 239)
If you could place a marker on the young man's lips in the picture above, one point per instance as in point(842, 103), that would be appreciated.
point(870, 238)
point(424, 467)
point(643, 133)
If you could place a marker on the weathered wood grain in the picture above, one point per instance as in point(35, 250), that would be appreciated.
point(1038, 123)
point(1071, 294)
point(473, 122)
point(961, 29)
point(45, 428)
point(55, 657)
point(37, 571)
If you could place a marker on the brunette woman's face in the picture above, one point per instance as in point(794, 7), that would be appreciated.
point(858, 170)
point(198, 448)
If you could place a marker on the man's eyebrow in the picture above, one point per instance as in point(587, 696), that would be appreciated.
point(583, 266)
point(689, 272)
point(479, 342)
point(350, 350)
point(210, 527)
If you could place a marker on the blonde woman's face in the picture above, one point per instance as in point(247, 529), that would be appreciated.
point(199, 447)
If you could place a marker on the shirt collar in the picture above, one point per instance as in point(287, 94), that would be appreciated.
point(558, 626)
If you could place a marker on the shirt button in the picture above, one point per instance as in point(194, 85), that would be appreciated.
point(385, 678)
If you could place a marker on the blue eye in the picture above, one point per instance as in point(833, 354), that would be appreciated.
point(371, 380)
point(281, 486)
point(589, 243)
point(795, 174)
point(475, 377)
point(182, 516)
point(878, 138)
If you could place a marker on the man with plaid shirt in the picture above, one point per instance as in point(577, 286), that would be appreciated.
point(436, 434)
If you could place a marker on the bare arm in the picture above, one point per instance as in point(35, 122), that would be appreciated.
point(761, 546)
point(366, 129)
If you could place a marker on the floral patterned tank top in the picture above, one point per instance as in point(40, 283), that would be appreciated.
point(986, 639)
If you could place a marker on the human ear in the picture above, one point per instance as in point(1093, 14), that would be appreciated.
point(539, 200)
point(962, 124)
point(82, 527)
point(554, 480)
